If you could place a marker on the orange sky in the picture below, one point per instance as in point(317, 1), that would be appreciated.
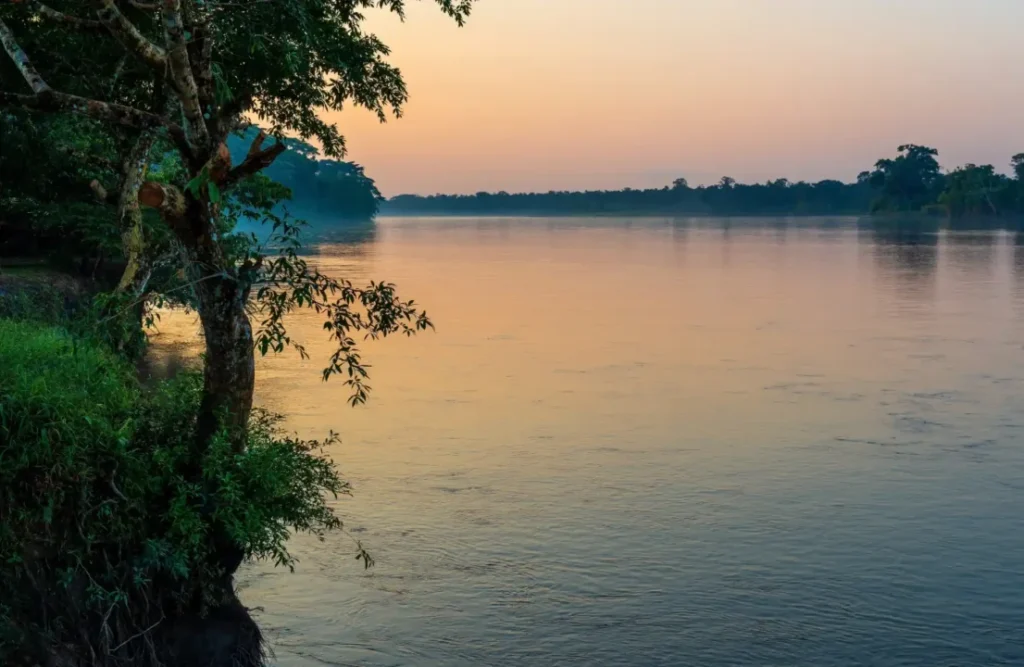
point(570, 94)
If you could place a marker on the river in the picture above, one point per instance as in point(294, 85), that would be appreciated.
point(666, 442)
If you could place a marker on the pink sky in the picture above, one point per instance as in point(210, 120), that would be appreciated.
point(577, 94)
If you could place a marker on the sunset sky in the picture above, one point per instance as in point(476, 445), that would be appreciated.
point(589, 94)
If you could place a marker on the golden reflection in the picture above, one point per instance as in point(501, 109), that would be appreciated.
point(557, 335)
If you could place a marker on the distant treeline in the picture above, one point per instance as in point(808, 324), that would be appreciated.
point(320, 188)
point(910, 182)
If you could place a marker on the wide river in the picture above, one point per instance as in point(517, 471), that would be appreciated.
point(667, 442)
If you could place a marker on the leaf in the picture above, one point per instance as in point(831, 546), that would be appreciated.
point(214, 192)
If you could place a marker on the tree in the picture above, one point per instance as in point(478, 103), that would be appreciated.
point(909, 181)
point(974, 190)
point(1017, 162)
point(680, 184)
point(172, 79)
point(214, 70)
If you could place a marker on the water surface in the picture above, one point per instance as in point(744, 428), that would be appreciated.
point(668, 442)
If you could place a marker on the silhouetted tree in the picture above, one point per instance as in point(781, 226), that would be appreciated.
point(909, 181)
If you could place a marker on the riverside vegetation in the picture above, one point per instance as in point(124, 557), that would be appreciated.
point(910, 182)
point(128, 159)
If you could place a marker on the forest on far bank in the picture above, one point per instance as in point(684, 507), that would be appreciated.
point(910, 182)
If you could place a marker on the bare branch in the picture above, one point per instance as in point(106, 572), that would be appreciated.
point(257, 144)
point(130, 36)
point(145, 6)
point(21, 61)
point(256, 160)
point(54, 15)
point(117, 73)
point(181, 72)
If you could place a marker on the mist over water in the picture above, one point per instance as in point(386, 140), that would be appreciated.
point(666, 442)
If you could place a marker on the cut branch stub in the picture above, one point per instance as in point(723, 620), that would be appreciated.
point(167, 199)
point(101, 192)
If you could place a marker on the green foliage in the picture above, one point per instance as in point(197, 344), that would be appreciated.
point(312, 54)
point(909, 181)
point(284, 281)
point(100, 518)
point(974, 190)
point(1017, 163)
point(33, 300)
point(289, 477)
point(129, 506)
point(45, 203)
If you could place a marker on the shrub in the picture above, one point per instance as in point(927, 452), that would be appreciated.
point(34, 297)
point(107, 518)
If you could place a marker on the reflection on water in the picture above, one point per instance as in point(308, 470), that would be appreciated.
point(313, 232)
point(669, 442)
point(906, 253)
point(357, 233)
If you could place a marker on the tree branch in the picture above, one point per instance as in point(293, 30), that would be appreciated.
point(256, 160)
point(48, 100)
point(181, 72)
point(133, 242)
point(257, 144)
point(51, 101)
point(21, 61)
point(53, 14)
point(198, 24)
point(129, 36)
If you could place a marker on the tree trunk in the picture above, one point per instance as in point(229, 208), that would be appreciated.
point(229, 367)
point(229, 375)
point(137, 270)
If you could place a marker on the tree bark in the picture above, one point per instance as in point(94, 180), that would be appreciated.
point(229, 375)
point(131, 37)
point(133, 243)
